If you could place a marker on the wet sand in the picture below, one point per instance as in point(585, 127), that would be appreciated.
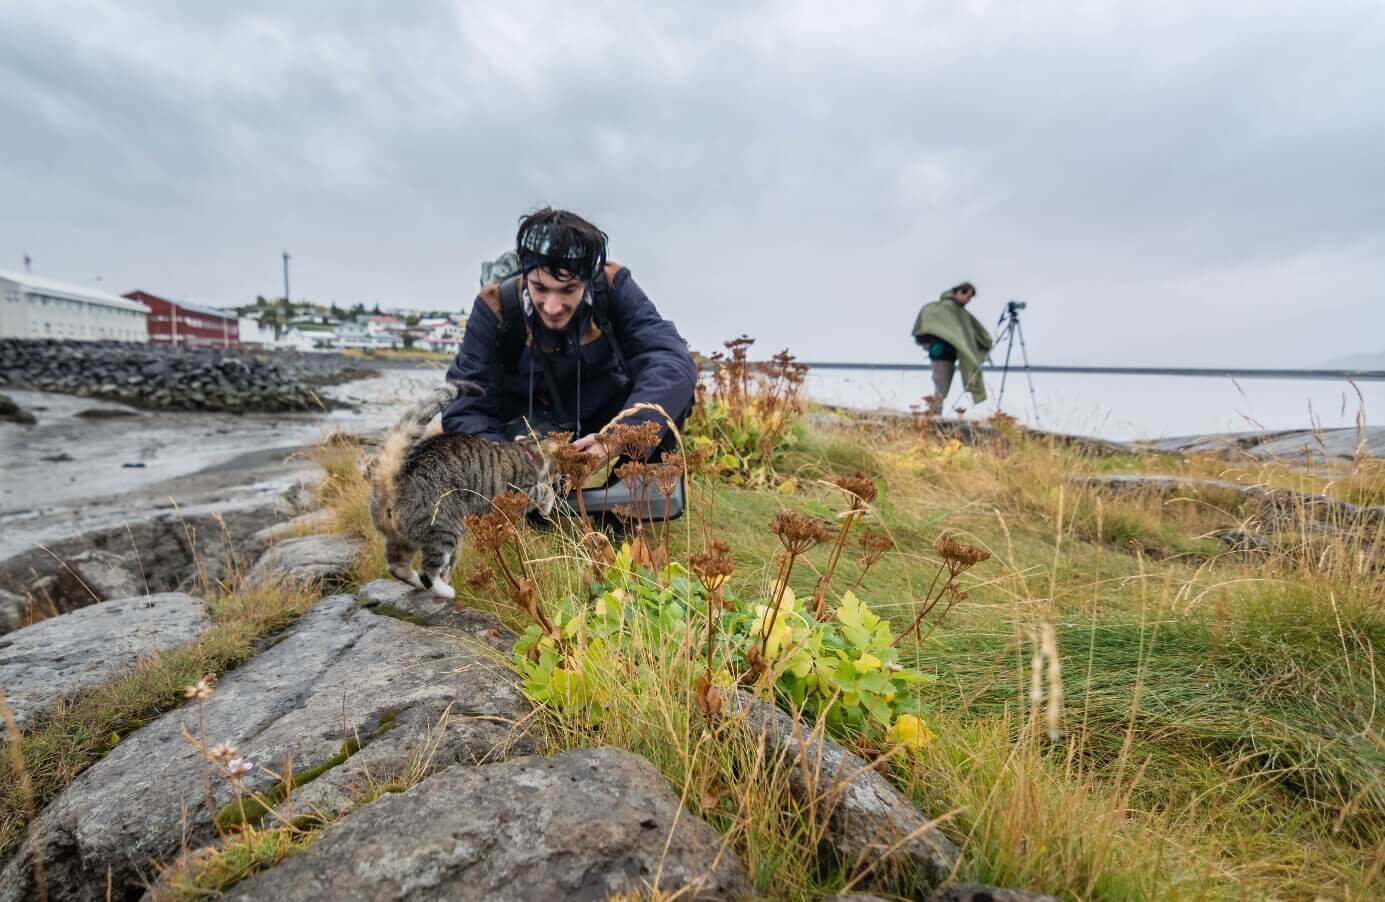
point(68, 474)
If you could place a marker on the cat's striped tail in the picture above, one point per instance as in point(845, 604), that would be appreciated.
point(412, 425)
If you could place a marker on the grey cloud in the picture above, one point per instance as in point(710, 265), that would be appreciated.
point(802, 172)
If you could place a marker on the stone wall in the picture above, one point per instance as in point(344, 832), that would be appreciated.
point(175, 379)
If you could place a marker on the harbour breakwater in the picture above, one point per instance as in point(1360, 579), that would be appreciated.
point(159, 377)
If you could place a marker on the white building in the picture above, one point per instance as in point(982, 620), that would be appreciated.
point(361, 336)
point(255, 333)
point(295, 339)
point(33, 307)
point(379, 324)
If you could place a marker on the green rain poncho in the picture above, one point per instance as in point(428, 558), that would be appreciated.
point(950, 321)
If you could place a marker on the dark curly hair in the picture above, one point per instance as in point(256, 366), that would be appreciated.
point(561, 243)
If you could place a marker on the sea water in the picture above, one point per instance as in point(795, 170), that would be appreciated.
point(1124, 408)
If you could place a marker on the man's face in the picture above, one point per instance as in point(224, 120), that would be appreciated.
point(964, 296)
point(555, 298)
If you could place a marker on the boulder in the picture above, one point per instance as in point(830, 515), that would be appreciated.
point(1276, 508)
point(324, 558)
point(346, 697)
point(976, 892)
point(180, 378)
point(106, 413)
point(311, 522)
point(54, 658)
point(12, 412)
point(1246, 543)
point(392, 598)
point(104, 574)
point(867, 819)
point(171, 550)
point(14, 611)
point(589, 824)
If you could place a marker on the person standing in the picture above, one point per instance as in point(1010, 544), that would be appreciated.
point(952, 336)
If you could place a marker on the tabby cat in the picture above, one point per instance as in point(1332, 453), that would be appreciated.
point(424, 483)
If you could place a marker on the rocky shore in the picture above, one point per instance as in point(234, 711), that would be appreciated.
point(159, 377)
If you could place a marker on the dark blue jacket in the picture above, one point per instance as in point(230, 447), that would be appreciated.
point(658, 368)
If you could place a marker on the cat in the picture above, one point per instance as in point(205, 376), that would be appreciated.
point(424, 483)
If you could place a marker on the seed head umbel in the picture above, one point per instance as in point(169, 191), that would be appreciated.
point(490, 531)
point(860, 488)
point(875, 544)
point(636, 441)
point(572, 466)
point(668, 471)
point(713, 565)
point(960, 553)
point(512, 505)
point(797, 532)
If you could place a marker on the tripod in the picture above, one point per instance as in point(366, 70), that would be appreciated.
point(1007, 327)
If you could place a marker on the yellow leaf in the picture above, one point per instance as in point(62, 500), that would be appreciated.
point(910, 732)
point(788, 486)
point(867, 662)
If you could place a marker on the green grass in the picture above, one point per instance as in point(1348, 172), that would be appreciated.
point(70, 737)
point(1221, 718)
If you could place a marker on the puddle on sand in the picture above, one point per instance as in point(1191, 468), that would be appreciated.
point(68, 473)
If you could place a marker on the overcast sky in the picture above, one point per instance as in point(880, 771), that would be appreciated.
point(1188, 183)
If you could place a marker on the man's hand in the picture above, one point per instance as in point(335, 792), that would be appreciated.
point(591, 446)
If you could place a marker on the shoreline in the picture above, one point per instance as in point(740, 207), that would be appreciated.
point(71, 474)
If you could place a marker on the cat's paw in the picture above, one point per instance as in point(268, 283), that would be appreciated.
point(443, 589)
point(408, 575)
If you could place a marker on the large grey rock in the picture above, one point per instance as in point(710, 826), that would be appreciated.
point(178, 378)
point(392, 598)
point(311, 522)
point(54, 658)
point(325, 558)
point(342, 675)
point(12, 412)
point(14, 611)
point(588, 824)
point(104, 574)
point(1317, 444)
point(1246, 543)
point(976, 892)
point(1276, 508)
point(174, 549)
point(867, 819)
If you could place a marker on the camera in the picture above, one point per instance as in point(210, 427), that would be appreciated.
point(1015, 305)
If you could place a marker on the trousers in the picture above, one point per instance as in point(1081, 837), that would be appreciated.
point(942, 378)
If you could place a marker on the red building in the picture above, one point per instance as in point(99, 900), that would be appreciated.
point(187, 325)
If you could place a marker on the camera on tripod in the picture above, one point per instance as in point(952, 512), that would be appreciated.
point(1007, 329)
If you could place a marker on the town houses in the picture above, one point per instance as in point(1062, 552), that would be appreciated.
point(38, 307)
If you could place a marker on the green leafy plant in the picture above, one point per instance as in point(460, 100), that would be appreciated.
point(844, 668)
point(747, 412)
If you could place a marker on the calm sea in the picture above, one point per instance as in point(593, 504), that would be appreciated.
point(1128, 407)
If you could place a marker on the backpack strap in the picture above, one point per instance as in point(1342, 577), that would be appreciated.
point(601, 315)
point(511, 332)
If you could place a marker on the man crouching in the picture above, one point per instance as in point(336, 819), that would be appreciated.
point(566, 344)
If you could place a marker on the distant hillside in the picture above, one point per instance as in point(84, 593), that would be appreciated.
point(1370, 361)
